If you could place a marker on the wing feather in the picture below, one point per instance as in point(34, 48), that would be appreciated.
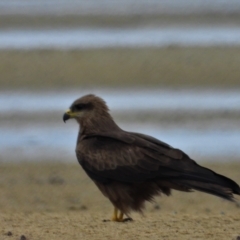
point(133, 158)
point(126, 157)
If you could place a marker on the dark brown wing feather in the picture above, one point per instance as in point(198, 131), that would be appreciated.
point(134, 158)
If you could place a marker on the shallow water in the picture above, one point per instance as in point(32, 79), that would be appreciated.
point(81, 38)
point(119, 100)
point(49, 142)
point(32, 129)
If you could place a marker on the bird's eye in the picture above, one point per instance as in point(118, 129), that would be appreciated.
point(79, 107)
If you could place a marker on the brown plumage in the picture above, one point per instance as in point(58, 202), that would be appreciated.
point(131, 168)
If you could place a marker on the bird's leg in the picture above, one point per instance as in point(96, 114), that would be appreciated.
point(115, 216)
point(120, 218)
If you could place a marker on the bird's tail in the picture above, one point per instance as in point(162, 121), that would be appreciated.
point(205, 180)
point(215, 187)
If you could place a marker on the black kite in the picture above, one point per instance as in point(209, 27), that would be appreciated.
point(131, 168)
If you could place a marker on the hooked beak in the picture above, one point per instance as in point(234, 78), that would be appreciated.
point(67, 115)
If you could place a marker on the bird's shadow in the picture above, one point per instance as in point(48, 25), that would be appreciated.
point(124, 220)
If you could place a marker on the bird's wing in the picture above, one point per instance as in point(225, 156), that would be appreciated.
point(121, 157)
point(132, 157)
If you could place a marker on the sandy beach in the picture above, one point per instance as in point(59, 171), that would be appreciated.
point(57, 201)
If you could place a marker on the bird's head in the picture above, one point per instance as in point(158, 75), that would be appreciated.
point(86, 108)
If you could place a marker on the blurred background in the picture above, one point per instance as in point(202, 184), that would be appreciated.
point(170, 69)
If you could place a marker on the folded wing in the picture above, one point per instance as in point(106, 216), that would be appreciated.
point(132, 157)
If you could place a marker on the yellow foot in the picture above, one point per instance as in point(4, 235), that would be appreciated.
point(119, 218)
point(115, 216)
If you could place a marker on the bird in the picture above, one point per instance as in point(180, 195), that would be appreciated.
point(132, 168)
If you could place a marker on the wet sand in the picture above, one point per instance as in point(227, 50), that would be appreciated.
point(58, 201)
point(174, 67)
